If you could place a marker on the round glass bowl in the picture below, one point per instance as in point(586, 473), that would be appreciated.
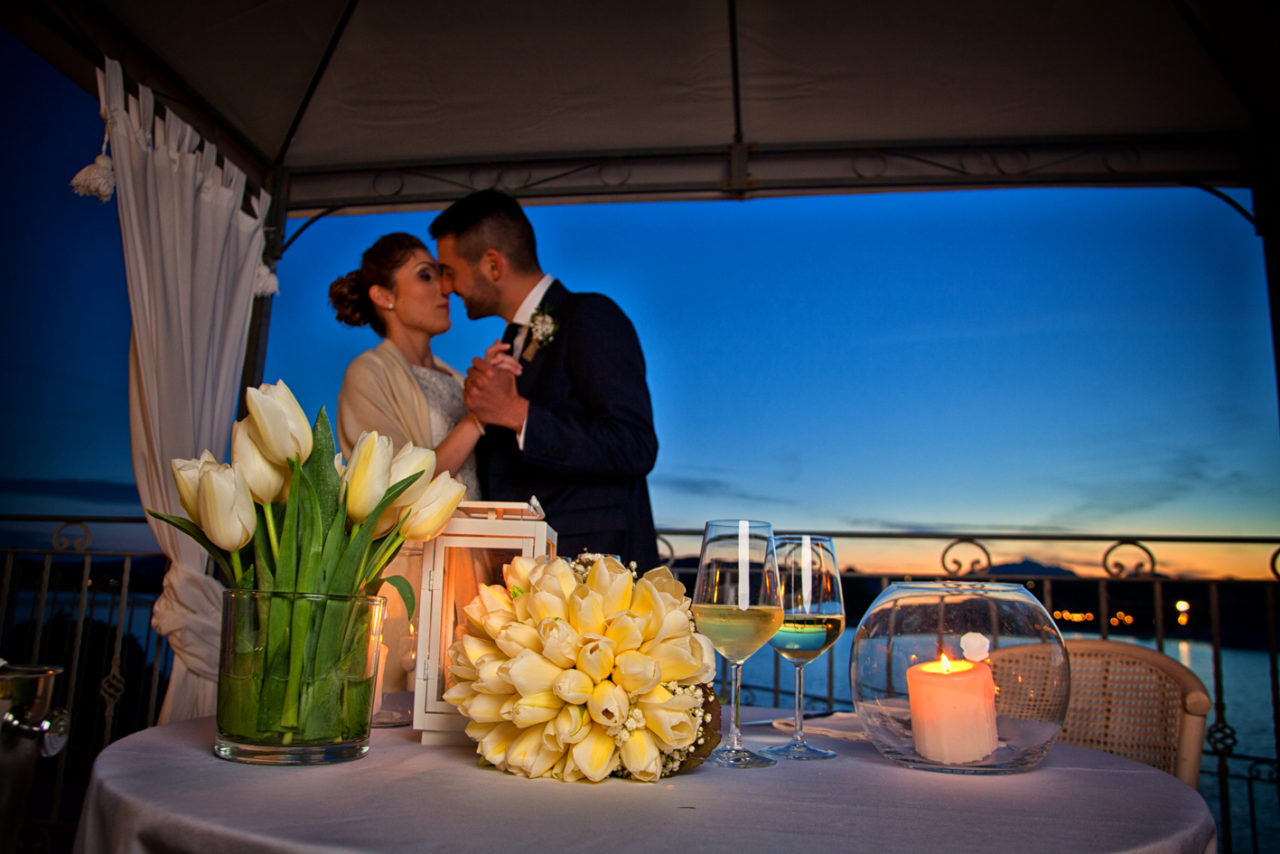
point(965, 677)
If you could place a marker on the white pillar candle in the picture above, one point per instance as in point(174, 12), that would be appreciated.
point(953, 710)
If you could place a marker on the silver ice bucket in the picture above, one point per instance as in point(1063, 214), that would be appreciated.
point(29, 729)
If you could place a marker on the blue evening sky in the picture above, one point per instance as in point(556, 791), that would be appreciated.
point(1061, 360)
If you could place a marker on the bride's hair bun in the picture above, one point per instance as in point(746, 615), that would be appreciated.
point(349, 297)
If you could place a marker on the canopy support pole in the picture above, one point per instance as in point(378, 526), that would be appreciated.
point(255, 349)
point(1266, 208)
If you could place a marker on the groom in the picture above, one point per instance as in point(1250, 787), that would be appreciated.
point(575, 428)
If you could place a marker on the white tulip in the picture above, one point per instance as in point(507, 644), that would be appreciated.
point(670, 717)
point(516, 574)
point(476, 649)
point(367, 476)
point(679, 658)
point(459, 665)
point(426, 518)
point(485, 708)
point(459, 692)
point(267, 481)
point(226, 508)
point(186, 476)
point(640, 756)
point(530, 673)
point(514, 637)
point(535, 709)
point(476, 731)
point(613, 581)
point(707, 671)
point(652, 605)
point(635, 672)
point(595, 658)
point(626, 630)
point(573, 686)
point(489, 599)
point(596, 755)
point(491, 676)
point(571, 725)
point(586, 611)
point(559, 642)
point(554, 570)
point(666, 584)
point(528, 756)
point(608, 704)
point(493, 747)
point(281, 425)
point(409, 460)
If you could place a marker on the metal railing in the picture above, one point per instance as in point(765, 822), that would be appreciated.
point(86, 607)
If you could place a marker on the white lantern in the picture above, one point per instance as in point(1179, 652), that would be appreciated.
point(479, 540)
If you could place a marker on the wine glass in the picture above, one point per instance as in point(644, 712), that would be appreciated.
point(736, 605)
point(812, 620)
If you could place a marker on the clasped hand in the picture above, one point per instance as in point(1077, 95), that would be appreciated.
point(489, 390)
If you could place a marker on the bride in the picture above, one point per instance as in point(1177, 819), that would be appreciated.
point(403, 391)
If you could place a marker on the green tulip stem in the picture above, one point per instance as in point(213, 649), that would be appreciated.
point(272, 537)
point(236, 570)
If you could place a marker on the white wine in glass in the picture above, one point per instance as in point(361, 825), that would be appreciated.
point(736, 605)
point(813, 618)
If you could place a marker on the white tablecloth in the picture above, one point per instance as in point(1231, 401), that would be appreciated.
point(163, 790)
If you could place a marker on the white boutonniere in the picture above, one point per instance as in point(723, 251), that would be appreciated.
point(542, 331)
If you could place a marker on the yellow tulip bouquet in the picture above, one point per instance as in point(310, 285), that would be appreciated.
point(287, 516)
point(579, 671)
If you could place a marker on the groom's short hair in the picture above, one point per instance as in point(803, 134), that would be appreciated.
point(489, 219)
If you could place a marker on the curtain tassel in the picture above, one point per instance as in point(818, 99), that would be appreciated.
point(98, 178)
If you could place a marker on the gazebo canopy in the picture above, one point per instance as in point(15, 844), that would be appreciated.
point(389, 104)
point(370, 105)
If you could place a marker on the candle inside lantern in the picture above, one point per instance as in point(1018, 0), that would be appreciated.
point(953, 710)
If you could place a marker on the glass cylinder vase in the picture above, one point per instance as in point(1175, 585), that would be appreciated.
point(965, 677)
point(296, 676)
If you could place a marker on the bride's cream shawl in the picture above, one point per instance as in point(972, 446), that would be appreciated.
point(379, 392)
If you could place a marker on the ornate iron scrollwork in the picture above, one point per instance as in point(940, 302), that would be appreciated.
point(1116, 569)
point(977, 565)
point(1222, 738)
point(65, 542)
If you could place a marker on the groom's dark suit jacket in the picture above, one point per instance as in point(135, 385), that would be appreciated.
point(589, 440)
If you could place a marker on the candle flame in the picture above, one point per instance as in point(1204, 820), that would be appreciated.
point(946, 663)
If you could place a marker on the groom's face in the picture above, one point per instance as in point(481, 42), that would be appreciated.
point(480, 295)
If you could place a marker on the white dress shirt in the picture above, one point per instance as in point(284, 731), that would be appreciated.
point(523, 317)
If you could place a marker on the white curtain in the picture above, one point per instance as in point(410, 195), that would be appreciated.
point(193, 262)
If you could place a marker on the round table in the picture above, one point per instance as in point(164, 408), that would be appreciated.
point(162, 789)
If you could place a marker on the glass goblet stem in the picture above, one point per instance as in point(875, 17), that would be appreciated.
point(735, 731)
point(797, 737)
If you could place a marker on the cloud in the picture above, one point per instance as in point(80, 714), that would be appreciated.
point(870, 523)
point(106, 491)
point(713, 487)
point(1155, 483)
